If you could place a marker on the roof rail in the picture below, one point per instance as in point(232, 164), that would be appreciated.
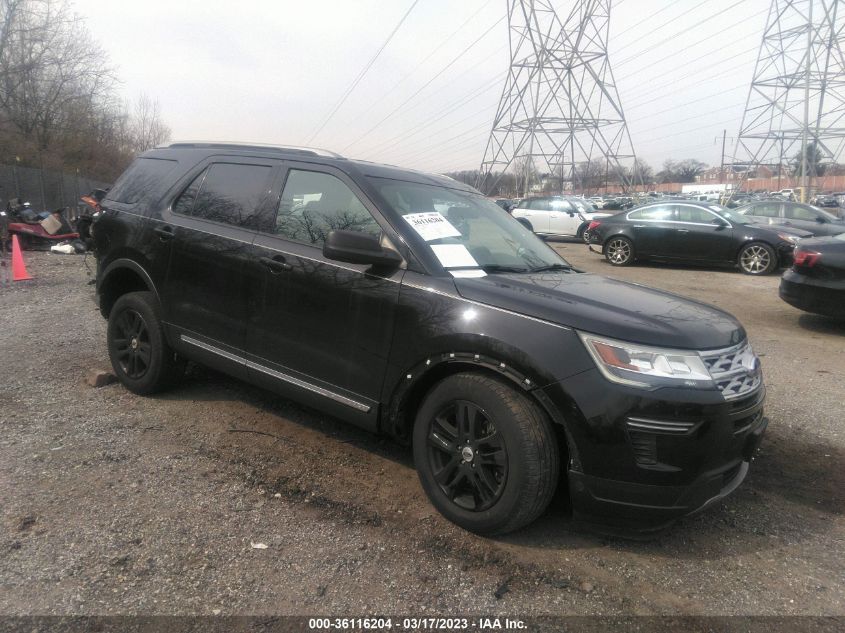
point(311, 151)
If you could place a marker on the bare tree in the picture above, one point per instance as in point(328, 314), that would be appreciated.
point(51, 71)
point(146, 127)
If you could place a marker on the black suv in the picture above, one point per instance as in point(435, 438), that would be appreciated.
point(410, 305)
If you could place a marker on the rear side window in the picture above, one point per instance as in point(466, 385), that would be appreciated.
point(660, 212)
point(771, 210)
point(144, 181)
point(227, 192)
point(693, 214)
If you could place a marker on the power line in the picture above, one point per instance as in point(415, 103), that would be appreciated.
point(361, 74)
point(447, 39)
point(428, 83)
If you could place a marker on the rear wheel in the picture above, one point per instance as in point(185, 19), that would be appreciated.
point(619, 251)
point(140, 356)
point(486, 454)
point(526, 224)
point(757, 259)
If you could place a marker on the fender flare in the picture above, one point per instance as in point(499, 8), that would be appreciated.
point(132, 265)
point(407, 388)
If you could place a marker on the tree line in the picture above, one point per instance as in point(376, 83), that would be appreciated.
point(59, 104)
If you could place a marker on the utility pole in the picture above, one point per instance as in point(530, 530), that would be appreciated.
point(722, 164)
point(559, 105)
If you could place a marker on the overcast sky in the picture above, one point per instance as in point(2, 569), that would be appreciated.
point(272, 71)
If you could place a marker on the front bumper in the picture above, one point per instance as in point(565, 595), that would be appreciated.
point(640, 460)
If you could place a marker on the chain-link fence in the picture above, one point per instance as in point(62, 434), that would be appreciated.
point(45, 189)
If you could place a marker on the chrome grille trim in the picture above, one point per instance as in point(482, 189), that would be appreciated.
point(732, 377)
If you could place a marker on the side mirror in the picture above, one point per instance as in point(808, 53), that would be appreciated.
point(820, 219)
point(719, 222)
point(354, 247)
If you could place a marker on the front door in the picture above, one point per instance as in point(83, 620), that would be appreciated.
point(563, 219)
point(320, 329)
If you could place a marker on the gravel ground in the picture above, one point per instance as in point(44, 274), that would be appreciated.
point(115, 504)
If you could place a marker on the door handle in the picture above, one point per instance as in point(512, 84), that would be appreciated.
point(276, 264)
point(164, 232)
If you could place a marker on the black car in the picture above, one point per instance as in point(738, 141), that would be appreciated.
point(826, 200)
point(816, 281)
point(794, 214)
point(410, 305)
point(693, 232)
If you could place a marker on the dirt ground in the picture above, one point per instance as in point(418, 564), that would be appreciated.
point(116, 504)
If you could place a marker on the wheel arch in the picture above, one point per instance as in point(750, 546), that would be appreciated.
point(120, 277)
point(398, 419)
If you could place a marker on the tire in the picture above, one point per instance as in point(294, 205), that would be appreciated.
point(140, 356)
point(757, 258)
point(583, 234)
point(619, 251)
point(507, 473)
point(526, 224)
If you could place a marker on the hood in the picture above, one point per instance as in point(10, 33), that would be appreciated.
point(608, 307)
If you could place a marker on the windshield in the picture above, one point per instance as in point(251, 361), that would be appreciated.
point(730, 215)
point(469, 234)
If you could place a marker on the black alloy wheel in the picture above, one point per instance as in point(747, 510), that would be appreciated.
point(132, 344)
point(467, 456)
point(486, 453)
point(140, 356)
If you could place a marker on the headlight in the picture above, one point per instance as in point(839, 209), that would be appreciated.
point(644, 366)
point(792, 239)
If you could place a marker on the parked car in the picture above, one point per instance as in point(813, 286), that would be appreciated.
point(506, 203)
point(557, 216)
point(826, 200)
point(794, 214)
point(694, 232)
point(339, 284)
point(816, 281)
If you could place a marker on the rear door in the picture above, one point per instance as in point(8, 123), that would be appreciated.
point(211, 224)
point(537, 211)
point(698, 238)
point(767, 212)
point(653, 230)
point(320, 329)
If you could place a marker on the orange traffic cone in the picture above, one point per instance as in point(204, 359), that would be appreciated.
point(18, 267)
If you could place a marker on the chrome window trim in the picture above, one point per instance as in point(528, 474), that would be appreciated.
point(277, 374)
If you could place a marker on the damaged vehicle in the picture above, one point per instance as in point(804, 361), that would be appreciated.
point(410, 305)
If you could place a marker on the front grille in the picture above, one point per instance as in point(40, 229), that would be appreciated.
point(735, 370)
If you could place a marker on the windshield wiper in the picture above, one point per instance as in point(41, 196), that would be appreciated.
point(543, 269)
point(498, 268)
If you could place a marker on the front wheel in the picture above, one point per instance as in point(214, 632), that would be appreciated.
point(485, 453)
point(619, 251)
point(757, 259)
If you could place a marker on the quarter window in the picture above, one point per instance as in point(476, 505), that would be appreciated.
point(314, 203)
point(227, 192)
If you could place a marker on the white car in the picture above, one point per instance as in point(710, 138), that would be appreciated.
point(557, 216)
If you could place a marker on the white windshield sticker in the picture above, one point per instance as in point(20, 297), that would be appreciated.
point(715, 208)
point(431, 225)
point(454, 256)
point(472, 272)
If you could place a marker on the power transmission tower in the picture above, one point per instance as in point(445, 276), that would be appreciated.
point(796, 104)
point(559, 106)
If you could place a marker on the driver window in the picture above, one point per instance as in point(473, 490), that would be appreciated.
point(799, 213)
point(314, 203)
